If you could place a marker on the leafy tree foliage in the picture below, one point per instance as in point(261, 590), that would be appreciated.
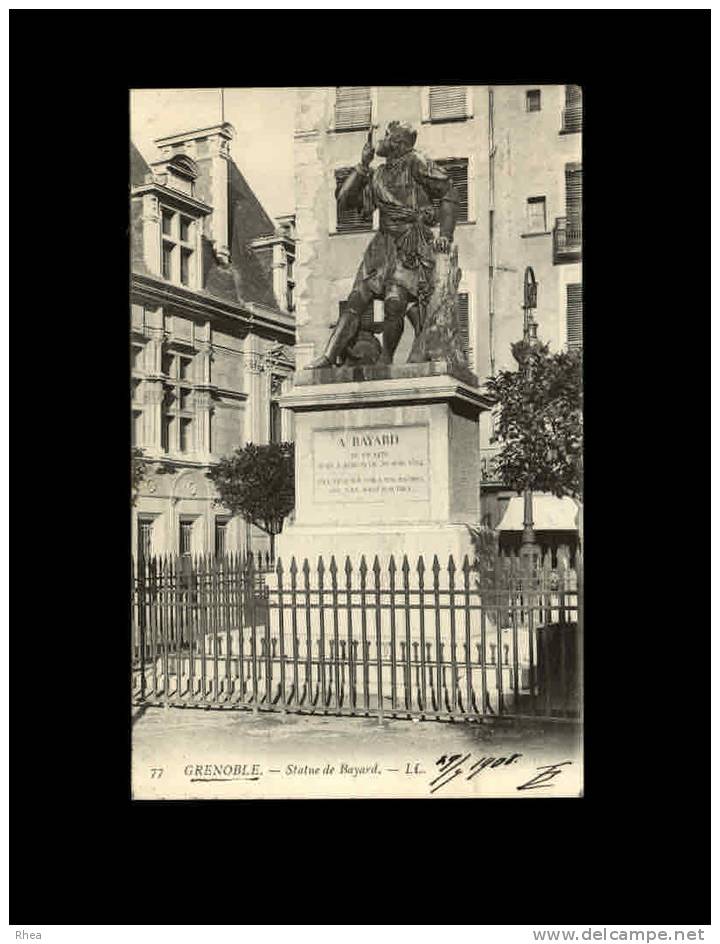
point(138, 471)
point(258, 482)
point(539, 422)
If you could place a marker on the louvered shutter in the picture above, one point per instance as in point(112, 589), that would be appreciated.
point(353, 107)
point(463, 316)
point(573, 95)
point(448, 101)
point(457, 170)
point(348, 221)
point(574, 317)
point(572, 116)
point(573, 201)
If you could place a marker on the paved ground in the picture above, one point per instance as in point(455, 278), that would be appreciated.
point(190, 753)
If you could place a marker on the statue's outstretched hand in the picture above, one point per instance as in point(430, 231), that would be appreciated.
point(368, 153)
point(442, 244)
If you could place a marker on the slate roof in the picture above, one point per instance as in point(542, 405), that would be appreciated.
point(245, 279)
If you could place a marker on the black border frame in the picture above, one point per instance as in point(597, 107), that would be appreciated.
point(635, 848)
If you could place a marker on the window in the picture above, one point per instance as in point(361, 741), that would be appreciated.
point(572, 113)
point(178, 247)
point(353, 107)
point(168, 433)
point(136, 431)
point(463, 315)
point(221, 526)
point(448, 102)
point(185, 368)
point(532, 100)
point(136, 356)
point(574, 317)
point(349, 221)
point(457, 170)
point(275, 422)
point(185, 434)
point(290, 280)
point(536, 215)
point(178, 403)
point(136, 389)
point(186, 532)
point(167, 260)
point(145, 538)
point(185, 260)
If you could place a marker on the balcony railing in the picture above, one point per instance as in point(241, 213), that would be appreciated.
point(572, 119)
point(567, 240)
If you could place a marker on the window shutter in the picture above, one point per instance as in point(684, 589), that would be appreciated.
point(349, 221)
point(457, 170)
point(573, 95)
point(448, 101)
point(573, 199)
point(463, 316)
point(572, 115)
point(353, 107)
point(574, 317)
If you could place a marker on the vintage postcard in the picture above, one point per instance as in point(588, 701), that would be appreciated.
point(356, 377)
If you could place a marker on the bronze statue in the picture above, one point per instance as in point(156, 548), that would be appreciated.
point(399, 263)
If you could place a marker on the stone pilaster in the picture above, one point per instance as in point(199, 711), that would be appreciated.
point(153, 415)
point(312, 193)
point(151, 233)
point(203, 412)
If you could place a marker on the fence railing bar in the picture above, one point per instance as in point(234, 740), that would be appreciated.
point(189, 617)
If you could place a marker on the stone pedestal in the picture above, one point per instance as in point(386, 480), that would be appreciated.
point(386, 463)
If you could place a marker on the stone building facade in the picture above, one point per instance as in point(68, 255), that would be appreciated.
point(212, 334)
point(514, 153)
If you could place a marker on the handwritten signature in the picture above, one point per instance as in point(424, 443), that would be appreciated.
point(451, 766)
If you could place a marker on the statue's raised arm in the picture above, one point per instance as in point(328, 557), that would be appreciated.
point(399, 262)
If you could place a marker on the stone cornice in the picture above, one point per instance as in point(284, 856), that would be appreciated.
point(390, 392)
point(174, 198)
point(251, 315)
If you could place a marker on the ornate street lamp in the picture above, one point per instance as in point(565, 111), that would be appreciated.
point(528, 551)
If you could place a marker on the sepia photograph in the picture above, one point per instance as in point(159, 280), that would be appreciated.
point(356, 374)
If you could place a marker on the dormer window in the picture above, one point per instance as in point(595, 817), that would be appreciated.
point(181, 173)
point(178, 247)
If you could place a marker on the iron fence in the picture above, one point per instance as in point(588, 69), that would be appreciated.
point(449, 643)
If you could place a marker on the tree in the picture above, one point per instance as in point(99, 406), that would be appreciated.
point(258, 482)
point(138, 471)
point(539, 422)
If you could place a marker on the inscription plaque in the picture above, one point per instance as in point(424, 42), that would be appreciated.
point(373, 463)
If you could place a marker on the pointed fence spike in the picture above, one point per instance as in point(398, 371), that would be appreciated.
point(363, 566)
point(392, 566)
point(466, 565)
point(451, 565)
point(293, 565)
point(436, 565)
point(279, 567)
point(348, 566)
point(333, 565)
point(421, 565)
point(376, 566)
point(306, 567)
point(320, 565)
point(405, 565)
